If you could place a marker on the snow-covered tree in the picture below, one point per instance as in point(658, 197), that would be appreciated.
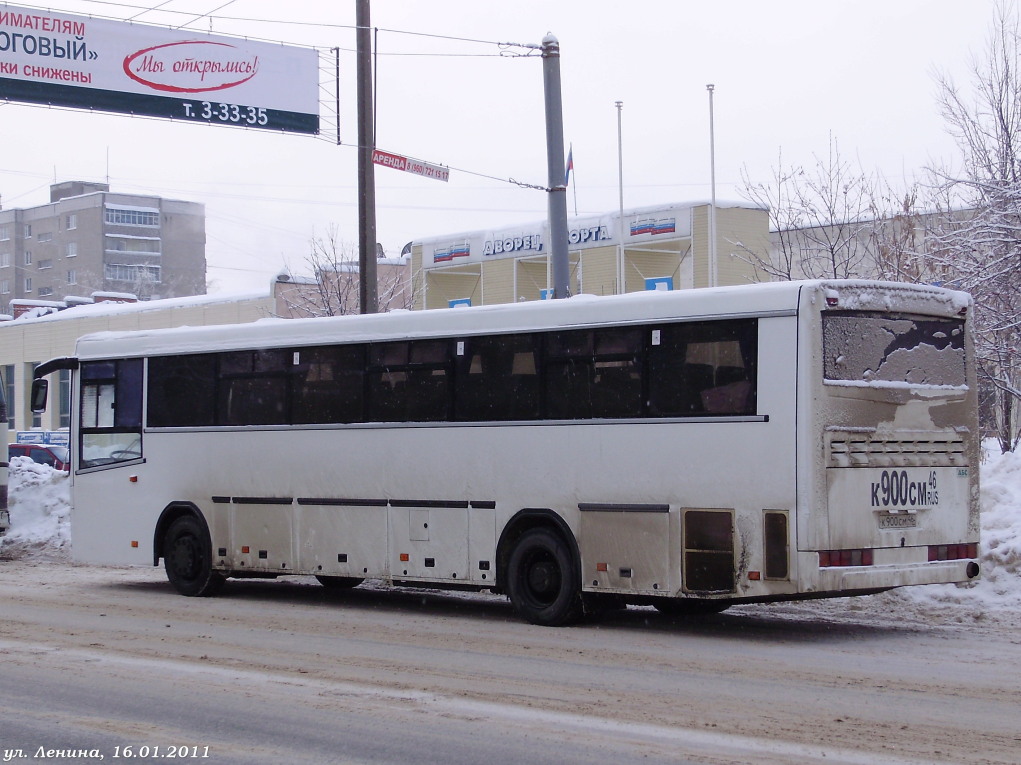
point(978, 240)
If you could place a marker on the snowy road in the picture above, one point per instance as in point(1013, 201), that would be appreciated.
point(95, 659)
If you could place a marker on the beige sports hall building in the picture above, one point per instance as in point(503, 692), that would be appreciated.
point(663, 247)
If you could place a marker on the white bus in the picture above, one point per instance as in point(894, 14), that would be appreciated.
point(688, 450)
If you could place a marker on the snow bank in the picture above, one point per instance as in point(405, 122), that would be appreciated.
point(41, 509)
point(998, 590)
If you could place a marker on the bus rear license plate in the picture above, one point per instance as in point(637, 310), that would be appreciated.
point(898, 521)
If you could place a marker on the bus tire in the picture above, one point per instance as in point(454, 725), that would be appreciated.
point(339, 582)
point(542, 579)
point(188, 558)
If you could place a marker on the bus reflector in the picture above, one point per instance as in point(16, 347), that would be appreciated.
point(754, 576)
point(134, 543)
point(600, 567)
point(829, 558)
point(953, 552)
point(245, 549)
point(405, 557)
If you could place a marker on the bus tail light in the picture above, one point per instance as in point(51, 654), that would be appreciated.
point(830, 558)
point(953, 552)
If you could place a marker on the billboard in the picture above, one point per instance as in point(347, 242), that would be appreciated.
point(59, 59)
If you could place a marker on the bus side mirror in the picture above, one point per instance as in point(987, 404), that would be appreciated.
point(40, 386)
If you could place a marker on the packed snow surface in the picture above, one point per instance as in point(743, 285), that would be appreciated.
point(40, 508)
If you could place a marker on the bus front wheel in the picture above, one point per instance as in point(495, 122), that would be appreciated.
point(188, 558)
point(542, 581)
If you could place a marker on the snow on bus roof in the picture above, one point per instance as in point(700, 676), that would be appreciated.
point(580, 310)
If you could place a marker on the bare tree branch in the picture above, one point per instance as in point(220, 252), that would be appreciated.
point(332, 288)
point(978, 239)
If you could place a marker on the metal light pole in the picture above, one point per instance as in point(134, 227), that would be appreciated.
point(620, 193)
point(555, 166)
point(713, 276)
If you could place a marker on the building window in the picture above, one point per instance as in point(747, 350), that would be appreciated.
point(45, 291)
point(72, 221)
point(132, 273)
point(28, 284)
point(125, 217)
point(45, 264)
point(9, 387)
point(28, 257)
point(5, 286)
point(5, 260)
point(28, 230)
point(46, 237)
point(5, 233)
point(133, 244)
point(72, 276)
point(72, 249)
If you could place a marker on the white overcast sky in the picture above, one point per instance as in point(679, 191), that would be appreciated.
point(787, 75)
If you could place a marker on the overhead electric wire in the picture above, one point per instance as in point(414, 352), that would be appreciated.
point(149, 10)
point(290, 22)
point(204, 15)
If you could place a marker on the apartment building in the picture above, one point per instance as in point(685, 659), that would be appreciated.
point(89, 239)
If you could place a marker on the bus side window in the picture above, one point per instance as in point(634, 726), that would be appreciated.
point(253, 387)
point(497, 379)
point(409, 381)
point(182, 391)
point(429, 381)
point(329, 385)
point(704, 368)
point(111, 412)
point(387, 378)
point(594, 373)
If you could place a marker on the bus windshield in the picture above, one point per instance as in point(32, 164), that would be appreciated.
point(882, 349)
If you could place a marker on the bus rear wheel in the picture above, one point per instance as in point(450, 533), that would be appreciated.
point(188, 558)
point(542, 581)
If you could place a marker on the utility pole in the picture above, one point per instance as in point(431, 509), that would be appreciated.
point(368, 300)
point(620, 199)
point(555, 166)
point(713, 276)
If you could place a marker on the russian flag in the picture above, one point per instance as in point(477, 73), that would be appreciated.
point(570, 166)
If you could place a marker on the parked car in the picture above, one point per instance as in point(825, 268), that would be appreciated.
point(55, 456)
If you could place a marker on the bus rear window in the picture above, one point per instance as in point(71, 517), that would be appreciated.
point(882, 350)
